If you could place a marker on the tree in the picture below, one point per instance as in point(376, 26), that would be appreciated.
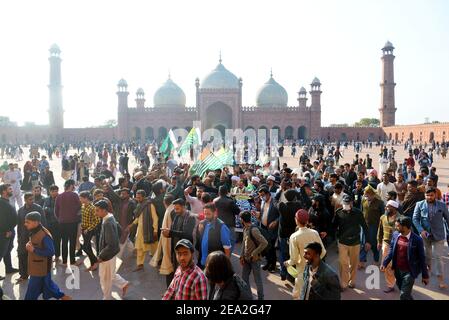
point(368, 122)
point(108, 124)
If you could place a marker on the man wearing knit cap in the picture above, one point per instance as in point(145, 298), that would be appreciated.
point(384, 235)
point(298, 241)
point(40, 254)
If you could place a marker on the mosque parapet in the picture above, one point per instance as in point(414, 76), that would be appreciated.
point(275, 109)
point(163, 109)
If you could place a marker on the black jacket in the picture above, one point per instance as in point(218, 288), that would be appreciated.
point(348, 226)
point(227, 210)
point(319, 220)
point(350, 177)
point(49, 210)
point(8, 217)
point(234, 289)
point(214, 239)
point(181, 228)
point(47, 179)
point(273, 213)
point(287, 223)
point(109, 239)
point(143, 184)
point(326, 285)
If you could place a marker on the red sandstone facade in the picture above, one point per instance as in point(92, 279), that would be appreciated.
point(219, 105)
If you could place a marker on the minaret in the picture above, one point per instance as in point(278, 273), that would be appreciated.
point(302, 97)
point(140, 99)
point(56, 111)
point(122, 119)
point(387, 106)
point(315, 92)
point(315, 110)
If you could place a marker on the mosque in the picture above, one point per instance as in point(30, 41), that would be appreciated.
point(218, 104)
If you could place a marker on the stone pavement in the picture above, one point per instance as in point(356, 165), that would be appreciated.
point(149, 285)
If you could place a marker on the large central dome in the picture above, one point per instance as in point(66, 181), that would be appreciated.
point(170, 94)
point(220, 78)
point(272, 94)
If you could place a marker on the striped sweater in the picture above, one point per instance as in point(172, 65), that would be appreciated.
point(386, 228)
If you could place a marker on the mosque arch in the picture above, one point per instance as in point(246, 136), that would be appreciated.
point(396, 136)
point(219, 115)
point(162, 133)
point(431, 136)
point(411, 136)
point(149, 133)
point(289, 132)
point(266, 132)
point(343, 136)
point(278, 129)
point(372, 137)
point(302, 133)
point(137, 133)
point(222, 129)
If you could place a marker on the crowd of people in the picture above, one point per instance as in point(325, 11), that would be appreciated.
point(281, 219)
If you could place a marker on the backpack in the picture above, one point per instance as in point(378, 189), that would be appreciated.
point(265, 234)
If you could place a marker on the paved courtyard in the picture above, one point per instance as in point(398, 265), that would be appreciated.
point(149, 285)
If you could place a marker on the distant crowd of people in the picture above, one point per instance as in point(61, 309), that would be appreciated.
point(283, 219)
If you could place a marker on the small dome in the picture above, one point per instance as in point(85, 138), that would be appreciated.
point(54, 48)
point(316, 81)
point(220, 78)
point(272, 94)
point(140, 91)
point(169, 95)
point(388, 45)
point(122, 83)
point(302, 90)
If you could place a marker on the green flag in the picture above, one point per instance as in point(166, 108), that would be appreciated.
point(168, 144)
point(166, 147)
point(192, 139)
point(212, 162)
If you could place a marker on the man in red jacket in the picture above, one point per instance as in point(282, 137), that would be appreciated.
point(68, 213)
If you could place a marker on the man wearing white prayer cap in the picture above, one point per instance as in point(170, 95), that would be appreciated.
point(271, 182)
point(254, 185)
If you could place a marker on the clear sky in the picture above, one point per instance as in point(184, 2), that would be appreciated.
point(140, 40)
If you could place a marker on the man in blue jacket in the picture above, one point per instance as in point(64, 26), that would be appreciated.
point(407, 258)
point(428, 218)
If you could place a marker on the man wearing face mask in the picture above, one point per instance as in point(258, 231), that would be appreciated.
point(347, 221)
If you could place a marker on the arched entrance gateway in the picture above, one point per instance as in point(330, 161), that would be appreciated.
point(289, 132)
point(162, 133)
point(137, 133)
point(219, 116)
point(302, 133)
point(149, 134)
